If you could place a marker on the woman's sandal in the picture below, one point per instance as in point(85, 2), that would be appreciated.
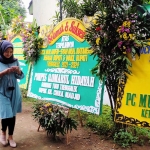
point(12, 143)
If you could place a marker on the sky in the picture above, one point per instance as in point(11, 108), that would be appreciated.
point(29, 17)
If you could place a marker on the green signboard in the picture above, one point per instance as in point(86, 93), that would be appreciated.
point(59, 78)
point(18, 53)
point(62, 75)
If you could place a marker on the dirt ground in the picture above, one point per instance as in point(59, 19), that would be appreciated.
point(27, 137)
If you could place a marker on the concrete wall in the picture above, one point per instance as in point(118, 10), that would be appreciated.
point(106, 100)
point(44, 10)
point(30, 8)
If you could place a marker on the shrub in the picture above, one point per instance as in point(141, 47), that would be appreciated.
point(103, 124)
point(124, 138)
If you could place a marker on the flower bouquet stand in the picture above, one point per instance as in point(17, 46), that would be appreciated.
point(53, 119)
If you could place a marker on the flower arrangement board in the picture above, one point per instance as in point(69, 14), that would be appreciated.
point(62, 74)
point(26, 68)
point(134, 107)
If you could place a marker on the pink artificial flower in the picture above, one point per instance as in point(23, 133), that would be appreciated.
point(128, 50)
point(120, 44)
point(122, 29)
point(133, 21)
point(25, 49)
point(23, 39)
point(127, 30)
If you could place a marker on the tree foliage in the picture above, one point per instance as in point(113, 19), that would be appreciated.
point(79, 8)
point(8, 10)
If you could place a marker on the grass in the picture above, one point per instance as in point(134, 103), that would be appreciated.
point(25, 98)
point(105, 126)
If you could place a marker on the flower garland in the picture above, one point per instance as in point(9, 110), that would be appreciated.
point(17, 25)
point(32, 43)
point(116, 34)
point(130, 38)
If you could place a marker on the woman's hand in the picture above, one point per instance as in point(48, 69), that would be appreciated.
point(8, 71)
point(16, 69)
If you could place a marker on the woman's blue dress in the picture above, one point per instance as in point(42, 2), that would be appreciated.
point(10, 100)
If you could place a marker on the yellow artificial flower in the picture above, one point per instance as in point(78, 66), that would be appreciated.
point(13, 25)
point(94, 21)
point(132, 36)
point(124, 47)
point(125, 36)
point(146, 49)
point(29, 34)
point(126, 24)
point(96, 16)
point(119, 28)
point(148, 43)
point(47, 104)
point(50, 109)
point(104, 13)
point(24, 32)
point(98, 40)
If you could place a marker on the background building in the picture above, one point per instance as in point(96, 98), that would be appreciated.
point(43, 11)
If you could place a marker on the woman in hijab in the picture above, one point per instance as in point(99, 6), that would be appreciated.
point(10, 94)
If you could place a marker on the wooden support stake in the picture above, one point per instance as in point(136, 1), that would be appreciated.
point(67, 136)
point(80, 118)
point(68, 141)
point(38, 128)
